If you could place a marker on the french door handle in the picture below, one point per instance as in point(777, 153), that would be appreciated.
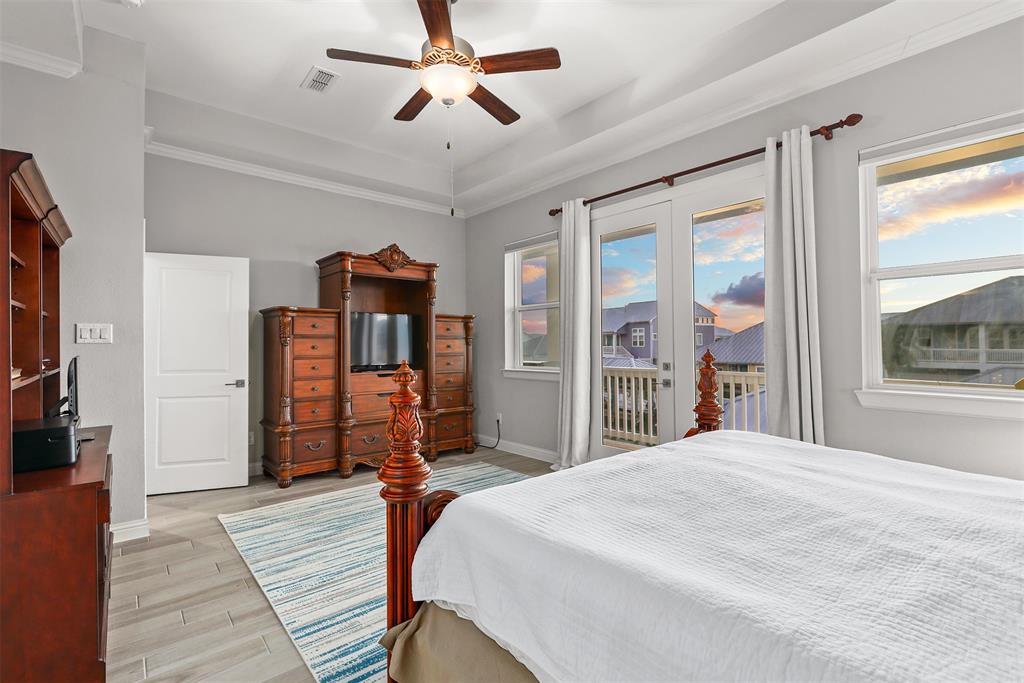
point(667, 383)
point(240, 383)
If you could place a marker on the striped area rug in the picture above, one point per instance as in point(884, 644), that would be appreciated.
point(321, 563)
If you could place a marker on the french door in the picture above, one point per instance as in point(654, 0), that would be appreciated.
point(633, 400)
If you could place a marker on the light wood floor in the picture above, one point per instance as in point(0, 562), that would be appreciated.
point(183, 605)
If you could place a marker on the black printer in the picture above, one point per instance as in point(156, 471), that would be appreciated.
point(42, 444)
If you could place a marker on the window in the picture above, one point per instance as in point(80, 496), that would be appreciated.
point(698, 338)
point(638, 337)
point(944, 269)
point(532, 308)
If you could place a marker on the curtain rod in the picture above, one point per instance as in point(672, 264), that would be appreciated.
point(670, 180)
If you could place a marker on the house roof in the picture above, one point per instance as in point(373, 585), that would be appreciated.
point(702, 311)
point(1001, 301)
point(612, 319)
point(627, 362)
point(723, 332)
point(746, 346)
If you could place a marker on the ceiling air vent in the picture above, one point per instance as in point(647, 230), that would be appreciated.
point(318, 80)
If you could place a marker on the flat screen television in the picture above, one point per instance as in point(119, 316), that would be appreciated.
point(381, 341)
point(72, 398)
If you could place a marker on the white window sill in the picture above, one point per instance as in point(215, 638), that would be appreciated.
point(964, 404)
point(545, 375)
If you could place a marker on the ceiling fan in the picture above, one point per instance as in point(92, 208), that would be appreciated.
point(449, 67)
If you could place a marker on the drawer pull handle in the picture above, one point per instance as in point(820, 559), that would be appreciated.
point(309, 445)
point(315, 347)
point(449, 381)
point(314, 388)
point(371, 439)
point(448, 346)
point(316, 411)
point(384, 394)
point(315, 367)
point(447, 428)
point(315, 326)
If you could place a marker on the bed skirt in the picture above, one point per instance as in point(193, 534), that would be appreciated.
point(438, 646)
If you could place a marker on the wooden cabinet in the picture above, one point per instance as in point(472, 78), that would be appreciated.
point(318, 413)
point(300, 397)
point(454, 380)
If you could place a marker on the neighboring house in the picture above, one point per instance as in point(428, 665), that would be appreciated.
point(975, 336)
point(703, 328)
point(722, 332)
point(742, 351)
point(632, 328)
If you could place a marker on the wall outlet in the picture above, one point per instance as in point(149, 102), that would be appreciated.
point(499, 418)
point(252, 438)
point(94, 333)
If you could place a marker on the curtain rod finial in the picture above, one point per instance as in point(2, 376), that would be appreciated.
point(853, 119)
point(554, 212)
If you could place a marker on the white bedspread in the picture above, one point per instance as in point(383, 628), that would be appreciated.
point(734, 556)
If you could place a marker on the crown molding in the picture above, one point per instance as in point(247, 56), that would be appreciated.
point(39, 61)
point(497, 193)
point(268, 173)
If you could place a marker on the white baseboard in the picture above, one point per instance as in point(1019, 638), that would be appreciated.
point(129, 531)
point(523, 449)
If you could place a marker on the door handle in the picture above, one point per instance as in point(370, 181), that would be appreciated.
point(667, 383)
point(240, 383)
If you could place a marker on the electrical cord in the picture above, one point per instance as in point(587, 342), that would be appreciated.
point(496, 442)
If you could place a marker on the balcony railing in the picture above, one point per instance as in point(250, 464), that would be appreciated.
point(629, 407)
point(924, 354)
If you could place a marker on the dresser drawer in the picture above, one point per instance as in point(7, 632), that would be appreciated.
point(445, 328)
point(451, 427)
point(451, 364)
point(454, 380)
point(313, 388)
point(314, 411)
point(455, 398)
point(363, 404)
point(451, 346)
point(316, 348)
point(379, 382)
point(313, 367)
point(314, 444)
point(369, 438)
point(326, 326)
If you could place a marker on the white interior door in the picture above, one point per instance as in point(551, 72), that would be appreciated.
point(632, 400)
point(197, 396)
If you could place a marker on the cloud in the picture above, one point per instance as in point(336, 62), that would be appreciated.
point(533, 272)
point(749, 291)
point(909, 207)
point(616, 282)
point(738, 238)
point(535, 325)
point(608, 251)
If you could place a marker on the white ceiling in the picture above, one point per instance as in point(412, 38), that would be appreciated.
point(249, 57)
point(636, 75)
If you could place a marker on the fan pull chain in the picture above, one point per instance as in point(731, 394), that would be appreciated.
point(451, 163)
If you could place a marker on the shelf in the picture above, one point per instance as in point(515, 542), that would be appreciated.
point(17, 261)
point(50, 373)
point(23, 381)
point(17, 304)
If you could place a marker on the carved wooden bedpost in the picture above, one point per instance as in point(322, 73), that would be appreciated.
point(709, 412)
point(404, 475)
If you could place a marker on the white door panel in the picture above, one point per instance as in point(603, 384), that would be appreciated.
point(196, 349)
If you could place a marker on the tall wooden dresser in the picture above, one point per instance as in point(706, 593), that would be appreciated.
point(453, 363)
point(300, 391)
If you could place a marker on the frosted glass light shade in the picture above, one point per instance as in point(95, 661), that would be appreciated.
point(449, 84)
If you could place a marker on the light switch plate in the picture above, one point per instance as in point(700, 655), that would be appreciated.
point(94, 333)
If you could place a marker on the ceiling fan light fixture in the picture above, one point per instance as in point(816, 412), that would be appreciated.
point(449, 84)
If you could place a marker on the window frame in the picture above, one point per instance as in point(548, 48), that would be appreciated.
point(950, 399)
point(698, 338)
point(514, 308)
point(638, 333)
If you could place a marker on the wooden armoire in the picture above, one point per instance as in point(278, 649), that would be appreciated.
point(320, 415)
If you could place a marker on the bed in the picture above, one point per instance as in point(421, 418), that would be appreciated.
point(725, 556)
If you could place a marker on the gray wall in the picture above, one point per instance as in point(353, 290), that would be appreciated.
point(979, 76)
point(283, 229)
point(86, 134)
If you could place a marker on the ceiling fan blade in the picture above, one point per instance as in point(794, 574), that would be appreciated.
point(524, 60)
point(414, 106)
point(493, 106)
point(438, 20)
point(350, 56)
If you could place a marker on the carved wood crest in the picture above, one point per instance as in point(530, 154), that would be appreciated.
point(392, 257)
point(285, 331)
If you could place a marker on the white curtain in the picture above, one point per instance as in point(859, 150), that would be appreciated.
point(792, 345)
point(574, 293)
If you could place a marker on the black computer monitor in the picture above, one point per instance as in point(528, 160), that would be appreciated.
point(72, 396)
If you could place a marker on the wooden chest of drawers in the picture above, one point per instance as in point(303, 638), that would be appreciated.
point(452, 425)
point(300, 391)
